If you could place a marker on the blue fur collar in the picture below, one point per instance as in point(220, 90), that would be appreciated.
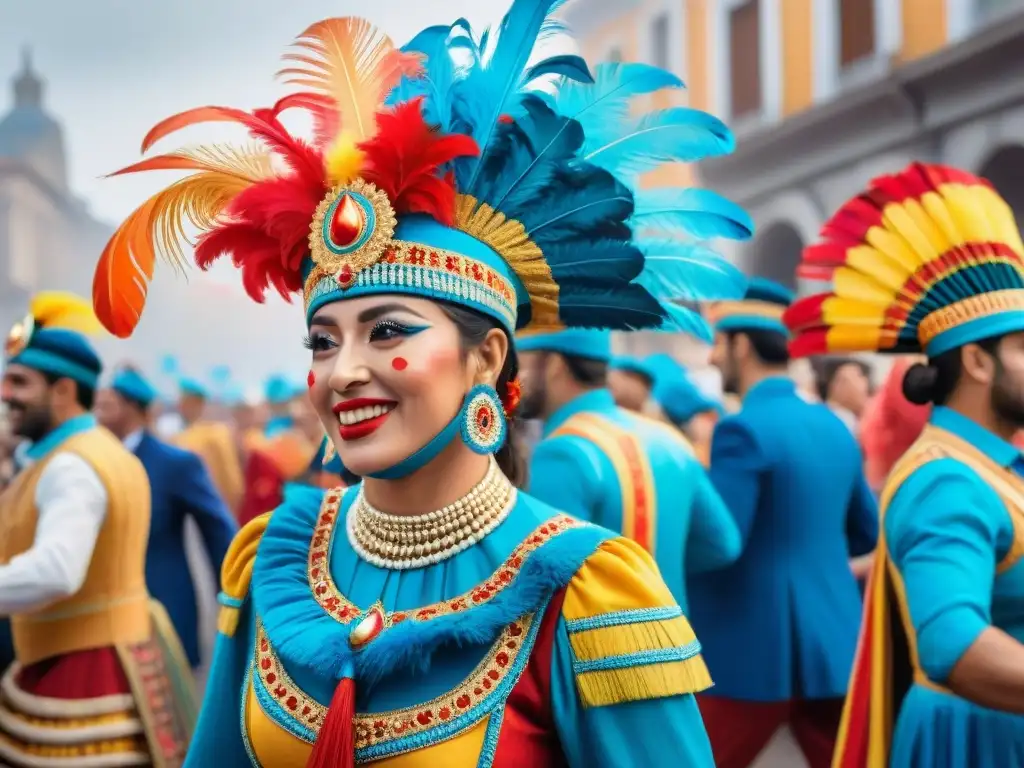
point(303, 634)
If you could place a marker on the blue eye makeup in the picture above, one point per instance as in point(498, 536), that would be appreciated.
point(387, 330)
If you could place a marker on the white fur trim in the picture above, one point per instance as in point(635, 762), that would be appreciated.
point(40, 734)
point(55, 709)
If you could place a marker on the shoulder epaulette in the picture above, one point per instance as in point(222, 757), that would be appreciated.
point(630, 640)
point(236, 573)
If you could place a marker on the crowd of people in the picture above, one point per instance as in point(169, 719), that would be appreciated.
point(663, 577)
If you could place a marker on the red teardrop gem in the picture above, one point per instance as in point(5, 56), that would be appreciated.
point(347, 222)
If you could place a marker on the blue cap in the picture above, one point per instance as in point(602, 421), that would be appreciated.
point(675, 391)
point(760, 309)
point(590, 343)
point(61, 352)
point(193, 387)
point(130, 384)
point(636, 365)
point(279, 389)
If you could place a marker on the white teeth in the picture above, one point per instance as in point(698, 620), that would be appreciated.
point(348, 418)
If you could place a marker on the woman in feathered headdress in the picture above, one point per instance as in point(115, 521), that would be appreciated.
point(930, 260)
point(432, 612)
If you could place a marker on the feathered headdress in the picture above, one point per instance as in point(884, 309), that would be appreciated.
point(52, 309)
point(926, 260)
point(436, 170)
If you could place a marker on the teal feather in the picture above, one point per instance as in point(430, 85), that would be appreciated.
point(620, 308)
point(685, 320)
point(568, 66)
point(699, 213)
point(574, 212)
point(671, 135)
point(688, 271)
point(594, 260)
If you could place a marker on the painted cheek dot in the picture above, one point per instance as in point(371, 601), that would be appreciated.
point(310, 379)
point(399, 364)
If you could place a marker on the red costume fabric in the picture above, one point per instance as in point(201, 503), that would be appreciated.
point(890, 425)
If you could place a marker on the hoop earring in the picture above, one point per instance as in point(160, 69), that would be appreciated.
point(483, 424)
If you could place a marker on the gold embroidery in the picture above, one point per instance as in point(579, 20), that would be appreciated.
point(973, 308)
point(330, 598)
point(376, 728)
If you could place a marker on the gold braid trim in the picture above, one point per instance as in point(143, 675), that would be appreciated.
point(509, 239)
point(973, 308)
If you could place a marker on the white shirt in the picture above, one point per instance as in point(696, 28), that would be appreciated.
point(71, 503)
point(132, 440)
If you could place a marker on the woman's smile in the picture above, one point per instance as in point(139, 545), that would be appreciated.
point(362, 416)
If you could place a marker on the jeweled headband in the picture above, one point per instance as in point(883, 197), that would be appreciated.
point(438, 170)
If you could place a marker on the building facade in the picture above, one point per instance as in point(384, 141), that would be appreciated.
point(823, 95)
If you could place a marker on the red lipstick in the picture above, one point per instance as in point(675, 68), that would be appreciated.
point(366, 426)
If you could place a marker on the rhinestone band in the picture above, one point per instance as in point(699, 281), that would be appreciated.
point(400, 542)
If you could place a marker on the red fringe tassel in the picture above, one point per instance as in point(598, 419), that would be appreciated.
point(335, 747)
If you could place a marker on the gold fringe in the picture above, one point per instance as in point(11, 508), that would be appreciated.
point(508, 237)
point(650, 681)
point(594, 644)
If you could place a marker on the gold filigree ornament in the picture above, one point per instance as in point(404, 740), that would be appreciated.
point(19, 336)
point(351, 230)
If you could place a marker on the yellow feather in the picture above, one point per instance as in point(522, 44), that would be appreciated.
point(852, 284)
point(855, 338)
point(57, 309)
point(839, 310)
point(894, 246)
point(886, 270)
point(344, 160)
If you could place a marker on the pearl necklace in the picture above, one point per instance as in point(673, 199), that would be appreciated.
point(401, 542)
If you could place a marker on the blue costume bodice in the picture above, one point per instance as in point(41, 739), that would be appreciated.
point(955, 542)
point(453, 678)
point(626, 467)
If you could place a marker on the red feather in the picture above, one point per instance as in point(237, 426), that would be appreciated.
point(811, 342)
point(805, 313)
point(404, 158)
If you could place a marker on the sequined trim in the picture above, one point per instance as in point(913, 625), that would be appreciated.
point(433, 271)
point(973, 308)
point(402, 730)
point(330, 598)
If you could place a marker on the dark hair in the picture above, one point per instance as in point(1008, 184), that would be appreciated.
point(771, 347)
point(935, 381)
point(83, 394)
point(473, 329)
point(587, 371)
point(828, 368)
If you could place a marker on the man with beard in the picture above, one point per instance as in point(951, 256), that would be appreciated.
point(614, 467)
point(779, 626)
point(99, 670)
point(180, 490)
point(939, 679)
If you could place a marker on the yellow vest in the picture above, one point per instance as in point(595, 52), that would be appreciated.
point(112, 607)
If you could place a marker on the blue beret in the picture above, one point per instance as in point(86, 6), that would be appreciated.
point(631, 364)
point(279, 390)
point(60, 352)
point(593, 344)
point(130, 383)
point(193, 387)
point(675, 391)
point(761, 308)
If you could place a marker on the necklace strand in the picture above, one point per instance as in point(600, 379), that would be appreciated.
point(401, 542)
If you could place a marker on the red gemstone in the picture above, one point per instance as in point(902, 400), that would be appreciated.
point(367, 629)
point(347, 222)
point(345, 276)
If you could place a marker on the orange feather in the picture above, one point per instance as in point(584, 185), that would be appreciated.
point(157, 227)
point(355, 66)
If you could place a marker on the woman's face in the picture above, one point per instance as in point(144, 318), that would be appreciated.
point(388, 374)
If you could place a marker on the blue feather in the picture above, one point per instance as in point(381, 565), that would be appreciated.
point(439, 73)
point(569, 66)
point(483, 96)
point(592, 261)
point(605, 103)
point(584, 201)
point(678, 270)
point(700, 213)
point(671, 135)
point(622, 308)
point(684, 320)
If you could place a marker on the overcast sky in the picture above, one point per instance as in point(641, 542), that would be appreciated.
point(116, 67)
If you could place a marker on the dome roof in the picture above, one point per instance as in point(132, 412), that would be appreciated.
point(28, 133)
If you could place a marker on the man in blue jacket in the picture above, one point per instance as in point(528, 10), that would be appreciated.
point(181, 488)
point(616, 468)
point(779, 626)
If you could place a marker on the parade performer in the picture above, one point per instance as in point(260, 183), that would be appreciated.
point(180, 488)
point(930, 261)
point(682, 403)
point(279, 393)
point(211, 441)
point(891, 424)
point(433, 613)
point(630, 382)
point(844, 385)
point(790, 473)
point(100, 677)
point(616, 468)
